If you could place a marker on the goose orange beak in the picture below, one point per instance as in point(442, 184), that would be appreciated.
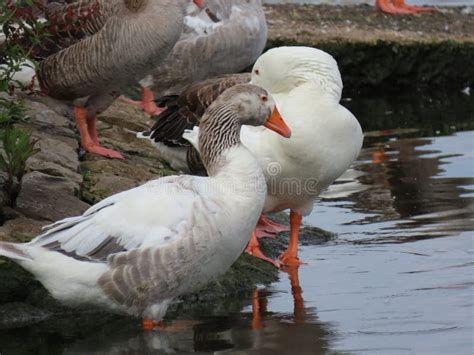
point(276, 124)
point(199, 3)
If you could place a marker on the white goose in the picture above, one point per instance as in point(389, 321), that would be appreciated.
point(327, 138)
point(136, 251)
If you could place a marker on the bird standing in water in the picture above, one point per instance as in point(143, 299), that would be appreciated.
point(138, 250)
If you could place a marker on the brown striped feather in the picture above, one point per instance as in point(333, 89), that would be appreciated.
point(185, 111)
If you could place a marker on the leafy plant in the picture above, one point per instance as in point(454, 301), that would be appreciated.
point(18, 148)
point(10, 111)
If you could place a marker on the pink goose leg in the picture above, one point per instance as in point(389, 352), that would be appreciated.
point(88, 132)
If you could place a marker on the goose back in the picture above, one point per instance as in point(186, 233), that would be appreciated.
point(229, 46)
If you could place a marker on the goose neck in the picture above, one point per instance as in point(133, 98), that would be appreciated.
point(219, 131)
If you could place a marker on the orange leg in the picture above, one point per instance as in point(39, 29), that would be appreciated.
point(413, 9)
point(89, 140)
point(175, 326)
point(148, 324)
point(290, 256)
point(267, 228)
point(253, 248)
point(389, 7)
point(92, 129)
point(257, 323)
point(148, 102)
point(297, 292)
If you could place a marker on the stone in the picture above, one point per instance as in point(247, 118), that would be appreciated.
point(49, 197)
point(43, 118)
point(56, 157)
point(21, 229)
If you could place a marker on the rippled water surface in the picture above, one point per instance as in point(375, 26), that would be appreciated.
point(397, 278)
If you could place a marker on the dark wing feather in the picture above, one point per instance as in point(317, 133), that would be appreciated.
point(185, 111)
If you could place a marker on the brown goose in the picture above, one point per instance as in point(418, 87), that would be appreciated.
point(114, 44)
point(184, 112)
point(226, 40)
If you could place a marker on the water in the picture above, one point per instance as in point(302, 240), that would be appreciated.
point(396, 279)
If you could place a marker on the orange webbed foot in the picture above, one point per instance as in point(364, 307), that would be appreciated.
point(257, 253)
point(289, 259)
point(147, 103)
point(388, 7)
point(266, 228)
point(400, 4)
point(105, 152)
point(149, 107)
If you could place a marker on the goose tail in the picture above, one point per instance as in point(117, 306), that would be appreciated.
point(13, 251)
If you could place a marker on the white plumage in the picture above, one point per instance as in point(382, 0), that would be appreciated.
point(138, 250)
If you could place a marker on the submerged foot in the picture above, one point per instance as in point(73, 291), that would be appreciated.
point(175, 326)
point(289, 259)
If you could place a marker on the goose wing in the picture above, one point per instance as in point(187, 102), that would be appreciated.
point(184, 112)
point(151, 215)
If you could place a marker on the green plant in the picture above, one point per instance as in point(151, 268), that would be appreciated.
point(10, 111)
point(17, 148)
point(21, 33)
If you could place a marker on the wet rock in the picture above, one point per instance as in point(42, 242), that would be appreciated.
point(21, 229)
point(49, 197)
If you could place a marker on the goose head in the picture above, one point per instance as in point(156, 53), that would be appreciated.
point(282, 69)
point(244, 104)
point(248, 104)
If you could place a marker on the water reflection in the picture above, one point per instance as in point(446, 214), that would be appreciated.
point(397, 278)
point(405, 192)
point(258, 331)
point(286, 333)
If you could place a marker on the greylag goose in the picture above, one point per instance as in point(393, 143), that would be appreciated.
point(137, 251)
point(111, 44)
point(307, 87)
point(183, 112)
point(226, 41)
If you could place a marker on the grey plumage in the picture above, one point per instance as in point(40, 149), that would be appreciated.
point(138, 250)
point(230, 47)
point(127, 39)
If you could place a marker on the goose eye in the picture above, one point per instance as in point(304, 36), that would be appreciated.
point(257, 72)
point(264, 98)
